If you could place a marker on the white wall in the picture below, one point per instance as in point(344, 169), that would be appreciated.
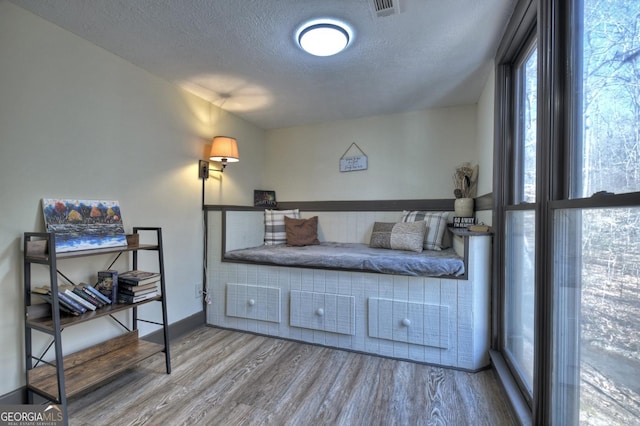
point(411, 156)
point(79, 122)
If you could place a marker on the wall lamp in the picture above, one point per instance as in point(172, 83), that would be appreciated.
point(224, 149)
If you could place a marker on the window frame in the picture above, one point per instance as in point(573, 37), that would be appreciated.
point(513, 187)
point(558, 159)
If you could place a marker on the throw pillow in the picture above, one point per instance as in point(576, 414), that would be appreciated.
point(436, 225)
point(301, 232)
point(398, 236)
point(274, 231)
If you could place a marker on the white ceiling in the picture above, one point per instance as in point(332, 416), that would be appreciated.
point(242, 54)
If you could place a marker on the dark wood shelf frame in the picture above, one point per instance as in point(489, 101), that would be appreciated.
point(69, 376)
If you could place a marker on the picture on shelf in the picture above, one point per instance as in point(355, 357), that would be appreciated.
point(84, 224)
point(264, 198)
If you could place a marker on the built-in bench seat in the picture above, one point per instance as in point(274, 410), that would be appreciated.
point(355, 257)
point(442, 319)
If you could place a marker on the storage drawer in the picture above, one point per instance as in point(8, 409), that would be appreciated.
point(253, 302)
point(402, 321)
point(323, 311)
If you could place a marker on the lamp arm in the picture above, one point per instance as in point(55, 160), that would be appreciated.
point(204, 169)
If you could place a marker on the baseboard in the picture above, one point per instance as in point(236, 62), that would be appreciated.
point(176, 330)
point(16, 397)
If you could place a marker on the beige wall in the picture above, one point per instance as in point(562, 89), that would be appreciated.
point(410, 156)
point(79, 122)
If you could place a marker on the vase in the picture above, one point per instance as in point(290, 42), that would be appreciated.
point(463, 207)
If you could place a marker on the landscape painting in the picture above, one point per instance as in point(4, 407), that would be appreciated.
point(84, 224)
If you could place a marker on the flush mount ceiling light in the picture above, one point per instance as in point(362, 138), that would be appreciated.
point(324, 38)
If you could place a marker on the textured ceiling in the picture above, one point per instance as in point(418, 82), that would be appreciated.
point(242, 54)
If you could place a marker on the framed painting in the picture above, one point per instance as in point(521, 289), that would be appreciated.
point(264, 198)
point(84, 224)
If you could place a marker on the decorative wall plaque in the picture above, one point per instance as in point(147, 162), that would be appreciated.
point(352, 163)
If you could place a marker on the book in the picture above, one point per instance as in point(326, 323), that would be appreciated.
point(72, 304)
point(123, 291)
point(108, 284)
point(41, 290)
point(63, 307)
point(126, 298)
point(479, 228)
point(137, 288)
point(97, 294)
point(137, 277)
point(89, 298)
point(80, 300)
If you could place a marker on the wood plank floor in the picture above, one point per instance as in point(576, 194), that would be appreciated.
point(222, 377)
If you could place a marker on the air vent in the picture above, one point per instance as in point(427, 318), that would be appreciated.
point(385, 7)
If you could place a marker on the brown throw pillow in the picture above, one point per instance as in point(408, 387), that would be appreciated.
point(301, 232)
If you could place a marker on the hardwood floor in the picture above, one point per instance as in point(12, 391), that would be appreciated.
point(222, 377)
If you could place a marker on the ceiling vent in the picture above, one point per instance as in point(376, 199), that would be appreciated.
point(383, 8)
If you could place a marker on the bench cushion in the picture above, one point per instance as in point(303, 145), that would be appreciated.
point(354, 256)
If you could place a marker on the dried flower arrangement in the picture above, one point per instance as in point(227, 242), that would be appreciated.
point(465, 180)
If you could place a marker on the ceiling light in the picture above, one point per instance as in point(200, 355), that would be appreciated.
point(324, 38)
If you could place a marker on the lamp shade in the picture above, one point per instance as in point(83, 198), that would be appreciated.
point(224, 148)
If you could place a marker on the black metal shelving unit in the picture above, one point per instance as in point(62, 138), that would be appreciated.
point(65, 377)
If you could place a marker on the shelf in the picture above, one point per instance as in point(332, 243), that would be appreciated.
point(44, 257)
point(464, 232)
point(85, 369)
point(46, 324)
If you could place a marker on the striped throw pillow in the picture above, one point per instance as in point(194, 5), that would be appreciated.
point(436, 225)
point(274, 229)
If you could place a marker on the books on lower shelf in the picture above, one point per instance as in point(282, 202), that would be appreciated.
point(67, 303)
point(136, 286)
point(137, 277)
point(96, 294)
point(84, 303)
point(135, 289)
point(129, 298)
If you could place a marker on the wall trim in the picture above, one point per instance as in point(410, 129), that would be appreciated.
point(483, 202)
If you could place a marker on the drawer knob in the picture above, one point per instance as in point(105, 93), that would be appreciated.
point(319, 312)
point(406, 322)
point(251, 302)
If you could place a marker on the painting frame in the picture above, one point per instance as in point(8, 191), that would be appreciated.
point(84, 224)
point(262, 198)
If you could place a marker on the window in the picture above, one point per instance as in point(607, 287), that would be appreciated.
point(596, 243)
point(567, 209)
point(519, 258)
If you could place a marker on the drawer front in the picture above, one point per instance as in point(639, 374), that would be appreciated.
point(253, 302)
point(403, 321)
point(323, 311)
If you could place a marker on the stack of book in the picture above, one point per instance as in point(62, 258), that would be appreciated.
point(74, 300)
point(136, 286)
